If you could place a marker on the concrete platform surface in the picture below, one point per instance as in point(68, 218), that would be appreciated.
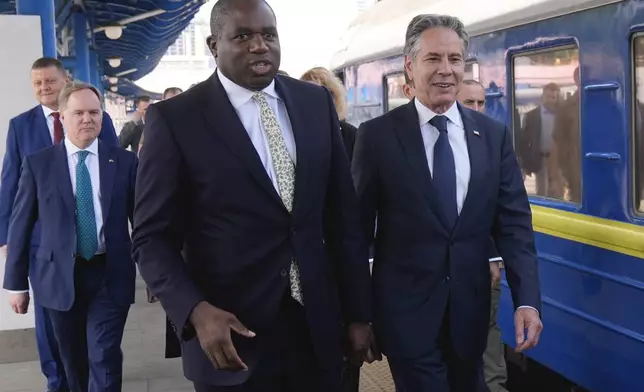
point(145, 368)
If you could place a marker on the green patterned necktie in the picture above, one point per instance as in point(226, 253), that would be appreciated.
point(285, 172)
point(86, 238)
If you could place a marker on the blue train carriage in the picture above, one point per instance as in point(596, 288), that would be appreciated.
point(572, 70)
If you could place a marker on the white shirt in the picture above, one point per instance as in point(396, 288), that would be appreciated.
point(249, 115)
point(547, 126)
point(456, 137)
point(50, 121)
point(92, 163)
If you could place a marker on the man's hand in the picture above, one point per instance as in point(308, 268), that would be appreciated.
point(527, 318)
point(495, 272)
point(363, 345)
point(3, 250)
point(213, 327)
point(19, 302)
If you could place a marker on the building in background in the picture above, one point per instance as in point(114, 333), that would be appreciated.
point(188, 60)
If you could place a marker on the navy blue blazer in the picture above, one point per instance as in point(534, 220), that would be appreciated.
point(45, 195)
point(28, 133)
point(201, 183)
point(420, 266)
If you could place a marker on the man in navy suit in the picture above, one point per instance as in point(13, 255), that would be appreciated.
point(29, 132)
point(442, 179)
point(81, 191)
point(248, 173)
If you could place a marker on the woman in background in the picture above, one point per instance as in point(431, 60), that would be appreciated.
point(323, 77)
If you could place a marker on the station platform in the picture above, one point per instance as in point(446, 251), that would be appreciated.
point(145, 368)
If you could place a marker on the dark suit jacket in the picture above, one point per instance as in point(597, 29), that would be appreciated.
point(348, 133)
point(131, 135)
point(529, 143)
point(45, 195)
point(28, 133)
point(420, 266)
point(201, 183)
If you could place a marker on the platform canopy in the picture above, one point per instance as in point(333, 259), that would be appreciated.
point(129, 36)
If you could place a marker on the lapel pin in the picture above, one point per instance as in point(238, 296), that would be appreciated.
point(111, 161)
point(476, 133)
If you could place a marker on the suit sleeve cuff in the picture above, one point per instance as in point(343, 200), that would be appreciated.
point(529, 307)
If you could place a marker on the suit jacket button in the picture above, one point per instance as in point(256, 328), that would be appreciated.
point(284, 273)
point(73, 254)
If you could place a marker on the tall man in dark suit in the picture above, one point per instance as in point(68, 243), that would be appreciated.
point(536, 147)
point(29, 132)
point(442, 180)
point(81, 191)
point(248, 173)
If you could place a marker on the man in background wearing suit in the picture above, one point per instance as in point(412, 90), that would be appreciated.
point(442, 179)
point(132, 132)
point(81, 191)
point(29, 132)
point(536, 147)
point(248, 173)
point(472, 96)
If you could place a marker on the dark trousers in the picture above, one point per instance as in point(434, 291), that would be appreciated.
point(288, 363)
point(440, 370)
point(90, 333)
point(51, 363)
point(493, 359)
point(50, 360)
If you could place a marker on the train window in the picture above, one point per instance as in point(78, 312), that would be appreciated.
point(546, 122)
point(638, 111)
point(395, 91)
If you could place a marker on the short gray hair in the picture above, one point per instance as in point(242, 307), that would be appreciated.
point(423, 22)
point(73, 87)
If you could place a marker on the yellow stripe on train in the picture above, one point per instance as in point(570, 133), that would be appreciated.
point(603, 233)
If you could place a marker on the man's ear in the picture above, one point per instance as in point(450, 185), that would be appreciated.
point(212, 45)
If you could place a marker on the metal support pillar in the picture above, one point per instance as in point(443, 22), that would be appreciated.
point(81, 48)
point(93, 68)
point(68, 62)
point(46, 10)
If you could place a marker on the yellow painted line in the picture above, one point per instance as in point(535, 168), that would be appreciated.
point(603, 233)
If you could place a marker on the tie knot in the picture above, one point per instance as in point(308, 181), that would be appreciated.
point(439, 122)
point(55, 115)
point(259, 96)
point(82, 154)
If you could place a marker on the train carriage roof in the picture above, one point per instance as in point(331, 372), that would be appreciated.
point(380, 30)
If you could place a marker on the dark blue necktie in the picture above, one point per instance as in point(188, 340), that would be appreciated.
point(444, 175)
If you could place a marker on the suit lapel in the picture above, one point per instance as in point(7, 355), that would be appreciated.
point(107, 166)
point(304, 148)
point(63, 180)
point(223, 118)
point(477, 151)
point(41, 128)
point(409, 134)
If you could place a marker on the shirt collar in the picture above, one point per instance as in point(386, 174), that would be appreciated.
point(239, 95)
point(47, 111)
point(73, 149)
point(425, 114)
